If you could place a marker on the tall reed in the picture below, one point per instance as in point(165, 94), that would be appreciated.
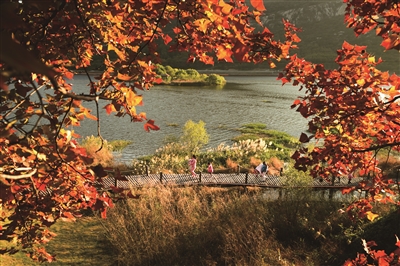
point(191, 226)
point(168, 225)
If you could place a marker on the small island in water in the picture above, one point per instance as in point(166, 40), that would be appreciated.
point(187, 77)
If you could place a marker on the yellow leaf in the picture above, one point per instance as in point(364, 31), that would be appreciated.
point(41, 157)
point(133, 99)
point(339, 128)
point(371, 216)
point(74, 121)
point(371, 59)
point(202, 24)
point(361, 82)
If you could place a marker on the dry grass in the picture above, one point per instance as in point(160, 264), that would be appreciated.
point(101, 152)
point(192, 226)
point(254, 161)
point(167, 225)
point(215, 226)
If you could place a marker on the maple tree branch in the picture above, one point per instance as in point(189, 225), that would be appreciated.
point(36, 90)
point(59, 130)
point(47, 22)
point(20, 103)
point(41, 106)
point(57, 134)
point(158, 20)
point(16, 177)
point(98, 124)
point(377, 147)
point(61, 123)
point(84, 97)
point(85, 26)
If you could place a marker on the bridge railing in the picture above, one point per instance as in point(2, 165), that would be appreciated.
point(227, 179)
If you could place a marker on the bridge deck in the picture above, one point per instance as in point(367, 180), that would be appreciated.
point(225, 179)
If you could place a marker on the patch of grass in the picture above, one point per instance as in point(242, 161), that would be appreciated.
point(173, 124)
point(216, 226)
point(246, 136)
point(253, 126)
point(276, 139)
point(18, 259)
point(80, 243)
point(77, 243)
point(119, 145)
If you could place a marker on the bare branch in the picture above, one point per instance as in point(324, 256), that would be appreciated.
point(16, 177)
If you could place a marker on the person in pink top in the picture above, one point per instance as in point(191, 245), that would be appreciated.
point(192, 165)
point(210, 168)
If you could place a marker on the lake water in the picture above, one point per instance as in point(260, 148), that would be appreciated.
point(244, 99)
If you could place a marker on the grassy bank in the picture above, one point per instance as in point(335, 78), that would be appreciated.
point(215, 226)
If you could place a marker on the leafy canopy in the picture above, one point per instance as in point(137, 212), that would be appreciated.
point(44, 173)
point(353, 110)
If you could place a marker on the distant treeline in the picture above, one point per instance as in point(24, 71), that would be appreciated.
point(176, 76)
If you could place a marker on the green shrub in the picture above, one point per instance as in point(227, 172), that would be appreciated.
point(168, 74)
point(214, 79)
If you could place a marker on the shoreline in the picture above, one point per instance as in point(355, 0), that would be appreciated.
point(229, 72)
point(235, 72)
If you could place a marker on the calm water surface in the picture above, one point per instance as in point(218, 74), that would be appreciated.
point(244, 99)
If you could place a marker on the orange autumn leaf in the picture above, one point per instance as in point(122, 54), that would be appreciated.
point(110, 108)
point(258, 5)
point(150, 125)
point(132, 98)
point(88, 114)
point(224, 54)
point(202, 24)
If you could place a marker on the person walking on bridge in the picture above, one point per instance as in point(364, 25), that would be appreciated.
point(261, 169)
point(210, 168)
point(192, 165)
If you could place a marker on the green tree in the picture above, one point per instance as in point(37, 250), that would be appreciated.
point(180, 74)
point(194, 135)
point(193, 74)
point(170, 71)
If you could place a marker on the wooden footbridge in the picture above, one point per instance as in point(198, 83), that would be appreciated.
point(127, 181)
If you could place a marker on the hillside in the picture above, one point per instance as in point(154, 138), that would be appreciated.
point(323, 30)
point(323, 33)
